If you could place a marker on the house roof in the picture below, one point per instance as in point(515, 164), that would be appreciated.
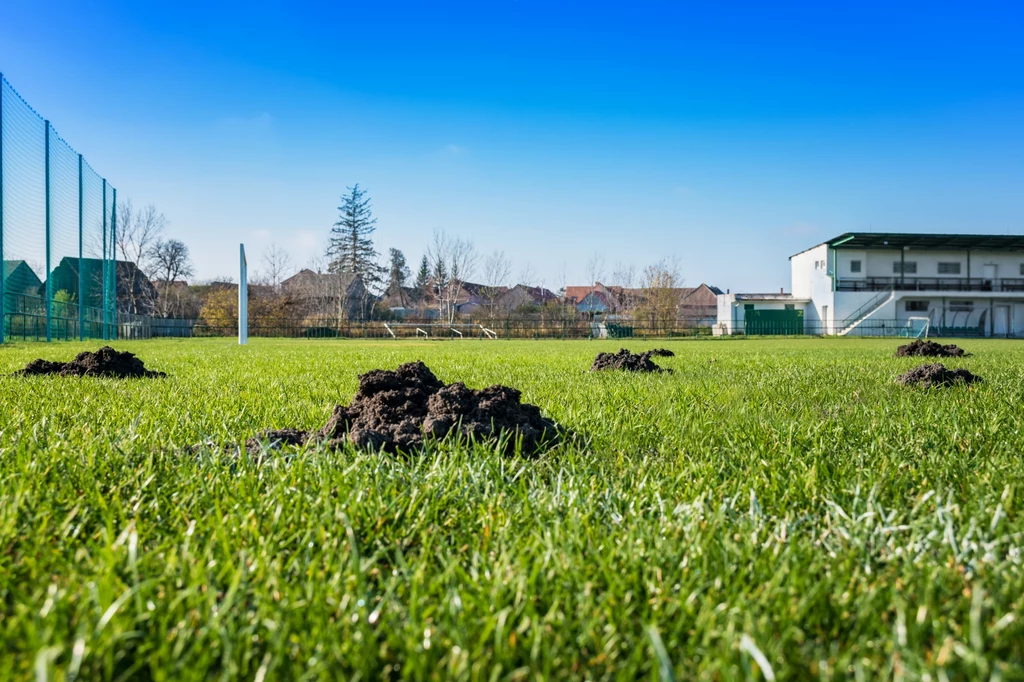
point(578, 293)
point(11, 265)
point(307, 275)
point(536, 294)
point(476, 289)
point(895, 241)
point(700, 295)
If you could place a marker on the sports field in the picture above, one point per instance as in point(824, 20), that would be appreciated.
point(772, 509)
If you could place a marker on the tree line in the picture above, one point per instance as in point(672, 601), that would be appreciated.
point(351, 280)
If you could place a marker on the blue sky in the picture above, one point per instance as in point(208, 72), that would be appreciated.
point(729, 135)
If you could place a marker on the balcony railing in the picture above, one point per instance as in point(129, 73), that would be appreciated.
point(931, 284)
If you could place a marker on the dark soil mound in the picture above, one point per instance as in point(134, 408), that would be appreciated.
point(106, 362)
point(630, 362)
point(936, 375)
point(277, 438)
point(921, 348)
point(396, 411)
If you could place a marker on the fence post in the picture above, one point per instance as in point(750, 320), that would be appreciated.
point(81, 272)
point(3, 315)
point(103, 264)
point(49, 279)
point(113, 259)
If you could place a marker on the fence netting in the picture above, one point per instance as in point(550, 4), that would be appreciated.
point(56, 233)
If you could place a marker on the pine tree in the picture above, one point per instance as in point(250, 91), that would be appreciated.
point(423, 274)
point(350, 248)
point(398, 275)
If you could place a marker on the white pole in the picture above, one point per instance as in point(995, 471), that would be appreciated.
point(243, 298)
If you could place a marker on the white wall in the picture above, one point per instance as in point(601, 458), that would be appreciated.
point(844, 257)
point(811, 278)
point(880, 263)
point(805, 268)
point(725, 323)
point(849, 302)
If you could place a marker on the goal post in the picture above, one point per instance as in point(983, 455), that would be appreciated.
point(243, 297)
point(917, 327)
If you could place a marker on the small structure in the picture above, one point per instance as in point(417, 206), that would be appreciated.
point(779, 313)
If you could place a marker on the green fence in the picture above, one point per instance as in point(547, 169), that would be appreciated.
point(774, 322)
point(57, 233)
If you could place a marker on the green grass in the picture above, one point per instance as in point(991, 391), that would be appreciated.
point(772, 508)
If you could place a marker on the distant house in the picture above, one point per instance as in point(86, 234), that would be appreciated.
point(696, 304)
point(135, 293)
point(596, 299)
point(699, 305)
point(328, 294)
point(406, 302)
point(522, 296)
point(474, 297)
point(20, 279)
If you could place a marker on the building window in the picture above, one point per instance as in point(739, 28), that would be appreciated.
point(961, 306)
point(855, 266)
point(949, 268)
point(909, 268)
point(790, 306)
point(917, 306)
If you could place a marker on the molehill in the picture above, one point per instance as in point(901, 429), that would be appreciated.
point(936, 374)
point(921, 348)
point(396, 410)
point(106, 362)
point(630, 362)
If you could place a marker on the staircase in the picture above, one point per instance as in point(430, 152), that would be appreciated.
point(866, 311)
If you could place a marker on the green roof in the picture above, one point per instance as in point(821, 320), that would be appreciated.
point(890, 241)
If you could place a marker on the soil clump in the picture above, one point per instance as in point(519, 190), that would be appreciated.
point(106, 362)
point(922, 348)
point(397, 410)
point(630, 362)
point(936, 374)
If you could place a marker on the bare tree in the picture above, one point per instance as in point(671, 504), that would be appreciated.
point(624, 277)
point(660, 294)
point(137, 233)
point(595, 267)
point(276, 264)
point(452, 261)
point(528, 276)
point(170, 263)
point(497, 271)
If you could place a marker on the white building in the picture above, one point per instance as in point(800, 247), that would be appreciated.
point(863, 283)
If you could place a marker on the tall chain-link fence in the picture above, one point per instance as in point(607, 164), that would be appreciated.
point(57, 233)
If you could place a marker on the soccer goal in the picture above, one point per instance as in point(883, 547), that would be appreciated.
point(916, 328)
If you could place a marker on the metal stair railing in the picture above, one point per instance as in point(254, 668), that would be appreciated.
point(866, 309)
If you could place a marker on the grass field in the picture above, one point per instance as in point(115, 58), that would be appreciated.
point(774, 509)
